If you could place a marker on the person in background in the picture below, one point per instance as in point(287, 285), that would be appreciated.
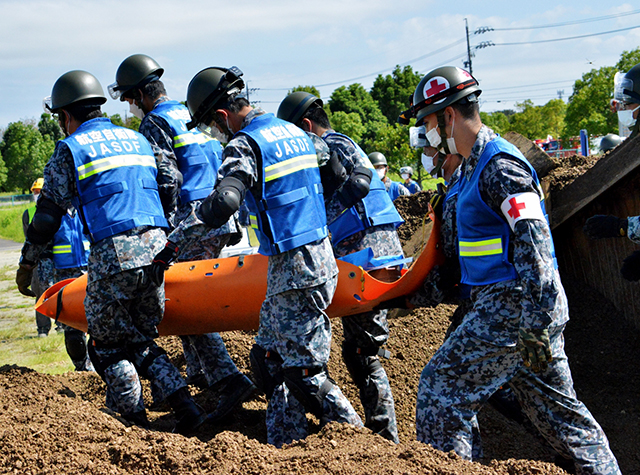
point(394, 188)
point(406, 173)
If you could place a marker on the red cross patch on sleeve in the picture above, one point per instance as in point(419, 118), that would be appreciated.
point(522, 206)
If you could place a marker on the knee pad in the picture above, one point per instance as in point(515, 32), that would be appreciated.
point(76, 345)
point(152, 351)
point(310, 397)
point(101, 364)
point(361, 362)
point(265, 380)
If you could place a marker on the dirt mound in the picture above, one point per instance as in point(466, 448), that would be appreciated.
point(58, 424)
point(568, 169)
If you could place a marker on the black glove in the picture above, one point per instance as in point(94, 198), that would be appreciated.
point(631, 267)
point(605, 226)
point(23, 277)
point(161, 262)
point(235, 238)
point(356, 187)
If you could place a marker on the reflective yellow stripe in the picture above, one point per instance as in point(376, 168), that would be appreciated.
point(104, 164)
point(62, 249)
point(292, 165)
point(481, 248)
point(253, 221)
point(189, 139)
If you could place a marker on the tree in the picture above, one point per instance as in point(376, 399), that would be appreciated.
point(628, 59)
point(589, 105)
point(3, 172)
point(497, 121)
point(356, 98)
point(393, 91)
point(130, 122)
point(25, 152)
point(49, 126)
point(349, 124)
point(528, 120)
point(310, 89)
point(553, 114)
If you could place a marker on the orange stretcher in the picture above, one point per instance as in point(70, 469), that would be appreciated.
point(226, 294)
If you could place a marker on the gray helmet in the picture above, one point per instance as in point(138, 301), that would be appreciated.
point(210, 89)
point(294, 106)
point(135, 72)
point(630, 86)
point(609, 142)
point(441, 88)
point(408, 170)
point(378, 159)
point(73, 87)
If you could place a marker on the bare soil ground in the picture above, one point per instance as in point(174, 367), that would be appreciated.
point(58, 424)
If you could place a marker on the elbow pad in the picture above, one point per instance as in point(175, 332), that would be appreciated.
point(225, 200)
point(45, 223)
point(332, 175)
point(356, 187)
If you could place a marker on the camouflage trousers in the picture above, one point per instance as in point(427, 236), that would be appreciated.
point(366, 333)
point(43, 278)
point(122, 313)
point(207, 353)
point(294, 324)
point(467, 370)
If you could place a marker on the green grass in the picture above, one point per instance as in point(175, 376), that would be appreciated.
point(11, 222)
point(19, 342)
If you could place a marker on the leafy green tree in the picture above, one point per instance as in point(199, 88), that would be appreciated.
point(25, 152)
point(589, 107)
point(356, 98)
point(349, 124)
point(553, 114)
point(131, 122)
point(393, 142)
point(628, 59)
point(392, 92)
point(310, 89)
point(528, 120)
point(497, 121)
point(49, 126)
point(3, 172)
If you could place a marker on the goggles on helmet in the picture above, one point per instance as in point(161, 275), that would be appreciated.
point(47, 105)
point(418, 137)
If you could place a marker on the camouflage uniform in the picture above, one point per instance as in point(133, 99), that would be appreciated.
point(481, 355)
point(365, 334)
point(633, 228)
point(204, 353)
point(300, 285)
point(122, 304)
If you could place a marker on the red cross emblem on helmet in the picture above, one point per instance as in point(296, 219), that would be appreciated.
point(435, 86)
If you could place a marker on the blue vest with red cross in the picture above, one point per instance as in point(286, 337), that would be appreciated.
point(198, 155)
point(377, 205)
point(483, 234)
point(115, 172)
point(288, 209)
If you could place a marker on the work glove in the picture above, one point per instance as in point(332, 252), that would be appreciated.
point(161, 262)
point(605, 226)
point(535, 348)
point(631, 267)
point(23, 277)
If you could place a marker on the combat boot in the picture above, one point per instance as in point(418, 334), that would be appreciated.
point(233, 389)
point(138, 418)
point(189, 415)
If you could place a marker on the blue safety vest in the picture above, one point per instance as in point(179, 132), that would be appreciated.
point(378, 206)
point(288, 210)
point(483, 235)
point(413, 187)
point(198, 155)
point(394, 190)
point(70, 245)
point(116, 179)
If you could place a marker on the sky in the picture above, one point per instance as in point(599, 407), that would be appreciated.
point(280, 44)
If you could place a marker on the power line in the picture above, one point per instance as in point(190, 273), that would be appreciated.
point(533, 85)
point(555, 25)
point(567, 38)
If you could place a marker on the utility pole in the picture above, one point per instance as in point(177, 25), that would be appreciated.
point(468, 62)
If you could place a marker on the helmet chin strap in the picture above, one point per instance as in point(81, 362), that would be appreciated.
point(443, 133)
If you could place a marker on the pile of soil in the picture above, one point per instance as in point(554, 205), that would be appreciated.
point(58, 424)
point(568, 169)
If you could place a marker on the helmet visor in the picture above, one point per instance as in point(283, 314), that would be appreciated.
point(418, 137)
point(113, 91)
point(47, 105)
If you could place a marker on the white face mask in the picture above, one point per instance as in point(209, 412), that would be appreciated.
point(36, 196)
point(626, 117)
point(433, 137)
point(381, 172)
point(136, 111)
point(451, 141)
point(429, 162)
point(405, 176)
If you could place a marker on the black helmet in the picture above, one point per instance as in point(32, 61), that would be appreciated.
point(210, 89)
point(378, 159)
point(294, 106)
point(441, 88)
point(609, 142)
point(74, 87)
point(630, 86)
point(134, 72)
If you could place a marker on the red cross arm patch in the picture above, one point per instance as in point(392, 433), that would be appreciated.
point(522, 206)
